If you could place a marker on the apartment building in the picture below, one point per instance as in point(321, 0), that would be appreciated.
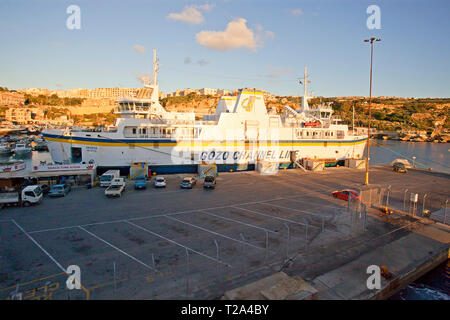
point(208, 91)
point(24, 115)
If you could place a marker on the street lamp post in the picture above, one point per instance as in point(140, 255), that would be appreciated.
point(371, 40)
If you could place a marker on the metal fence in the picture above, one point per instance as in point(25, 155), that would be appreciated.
point(410, 201)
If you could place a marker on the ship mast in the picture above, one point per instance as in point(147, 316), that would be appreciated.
point(154, 83)
point(305, 97)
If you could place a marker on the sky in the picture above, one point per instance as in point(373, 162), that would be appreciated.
point(228, 44)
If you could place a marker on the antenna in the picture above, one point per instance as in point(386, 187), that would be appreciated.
point(155, 67)
point(305, 81)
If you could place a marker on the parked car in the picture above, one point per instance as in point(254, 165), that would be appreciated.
point(45, 188)
point(160, 182)
point(210, 182)
point(59, 190)
point(188, 183)
point(344, 194)
point(400, 167)
point(140, 183)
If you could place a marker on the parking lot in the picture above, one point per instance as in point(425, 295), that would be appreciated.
point(172, 243)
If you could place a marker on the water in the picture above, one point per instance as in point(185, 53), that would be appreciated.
point(34, 159)
point(436, 284)
point(428, 155)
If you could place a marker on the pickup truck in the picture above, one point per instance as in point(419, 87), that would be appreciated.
point(140, 183)
point(210, 182)
point(116, 188)
point(28, 196)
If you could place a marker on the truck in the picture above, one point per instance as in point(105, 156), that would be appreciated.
point(210, 182)
point(108, 176)
point(28, 196)
point(115, 188)
point(140, 182)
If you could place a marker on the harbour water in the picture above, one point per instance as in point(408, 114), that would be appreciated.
point(436, 284)
point(428, 155)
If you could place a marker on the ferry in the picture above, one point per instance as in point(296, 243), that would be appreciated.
point(240, 133)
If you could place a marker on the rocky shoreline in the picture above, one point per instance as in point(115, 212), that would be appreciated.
point(441, 138)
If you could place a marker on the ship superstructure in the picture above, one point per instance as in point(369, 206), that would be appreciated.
point(239, 133)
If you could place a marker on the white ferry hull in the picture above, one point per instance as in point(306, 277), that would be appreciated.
point(166, 152)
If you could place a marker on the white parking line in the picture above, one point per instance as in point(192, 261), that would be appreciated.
point(216, 233)
point(270, 216)
point(121, 251)
point(146, 217)
point(249, 224)
point(314, 204)
point(39, 246)
point(302, 211)
point(237, 221)
point(178, 244)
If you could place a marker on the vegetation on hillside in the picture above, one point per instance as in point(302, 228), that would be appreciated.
point(97, 119)
point(392, 113)
point(52, 100)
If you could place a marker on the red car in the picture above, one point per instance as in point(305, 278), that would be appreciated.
point(344, 194)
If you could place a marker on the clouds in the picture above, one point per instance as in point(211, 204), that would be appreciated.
point(297, 12)
point(201, 62)
point(236, 35)
point(139, 48)
point(276, 72)
point(191, 14)
point(144, 78)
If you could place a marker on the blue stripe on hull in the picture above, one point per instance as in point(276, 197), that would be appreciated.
point(162, 141)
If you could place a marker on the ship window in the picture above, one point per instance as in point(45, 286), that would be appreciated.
point(134, 130)
point(144, 131)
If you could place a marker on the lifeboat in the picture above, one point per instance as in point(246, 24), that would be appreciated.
point(312, 124)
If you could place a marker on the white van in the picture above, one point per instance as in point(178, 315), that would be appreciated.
point(108, 176)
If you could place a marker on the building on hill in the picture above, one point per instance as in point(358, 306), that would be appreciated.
point(208, 91)
point(223, 92)
point(24, 115)
point(188, 91)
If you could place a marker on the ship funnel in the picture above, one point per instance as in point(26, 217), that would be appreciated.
point(250, 101)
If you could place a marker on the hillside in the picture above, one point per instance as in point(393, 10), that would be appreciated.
point(394, 114)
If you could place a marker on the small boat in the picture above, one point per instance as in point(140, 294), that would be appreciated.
point(312, 124)
point(22, 149)
point(10, 166)
point(40, 146)
point(5, 149)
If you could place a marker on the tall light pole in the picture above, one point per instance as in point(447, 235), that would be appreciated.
point(371, 40)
